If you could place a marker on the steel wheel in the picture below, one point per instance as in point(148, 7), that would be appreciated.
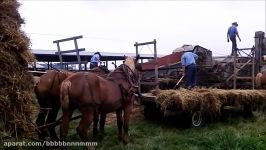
point(196, 119)
point(255, 110)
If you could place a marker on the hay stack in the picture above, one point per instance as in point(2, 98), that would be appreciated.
point(16, 101)
point(209, 100)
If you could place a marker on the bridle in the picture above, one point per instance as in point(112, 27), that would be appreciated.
point(130, 74)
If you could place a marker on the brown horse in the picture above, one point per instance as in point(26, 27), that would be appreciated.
point(93, 94)
point(47, 93)
point(47, 90)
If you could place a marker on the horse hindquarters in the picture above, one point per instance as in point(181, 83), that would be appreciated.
point(67, 111)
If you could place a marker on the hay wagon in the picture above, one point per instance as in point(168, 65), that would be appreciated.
point(198, 106)
point(230, 72)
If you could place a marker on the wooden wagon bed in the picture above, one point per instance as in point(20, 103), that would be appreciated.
point(199, 103)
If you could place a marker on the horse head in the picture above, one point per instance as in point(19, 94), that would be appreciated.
point(130, 69)
point(130, 63)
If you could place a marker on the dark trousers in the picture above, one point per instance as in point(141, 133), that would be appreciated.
point(190, 76)
point(234, 45)
point(93, 65)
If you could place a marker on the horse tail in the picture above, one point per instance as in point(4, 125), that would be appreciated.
point(258, 80)
point(64, 94)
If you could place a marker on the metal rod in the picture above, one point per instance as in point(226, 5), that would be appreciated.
point(57, 122)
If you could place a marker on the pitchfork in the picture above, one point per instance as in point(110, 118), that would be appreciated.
point(178, 82)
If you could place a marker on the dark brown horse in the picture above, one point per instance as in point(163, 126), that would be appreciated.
point(47, 90)
point(93, 94)
point(47, 93)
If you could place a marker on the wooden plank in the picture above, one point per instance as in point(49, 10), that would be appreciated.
point(244, 77)
point(60, 56)
point(78, 56)
point(147, 97)
point(156, 66)
point(146, 43)
point(70, 51)
point(76, 62)
point(148, 83)
point(68, 39)
point(242, 49)
point(236, 70)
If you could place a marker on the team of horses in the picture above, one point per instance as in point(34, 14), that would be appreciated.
point(94, 93)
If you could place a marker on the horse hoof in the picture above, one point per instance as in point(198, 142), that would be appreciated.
point(125, 141)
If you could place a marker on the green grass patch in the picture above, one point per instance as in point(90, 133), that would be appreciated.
point(233, 134)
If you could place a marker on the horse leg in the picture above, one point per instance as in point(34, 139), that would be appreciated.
point(102, 122)
point(67, 114)
point(127, 113)
point(95, 123)
point(84, 124)
point(51, 118)
point(119, 122)
point(40, 121)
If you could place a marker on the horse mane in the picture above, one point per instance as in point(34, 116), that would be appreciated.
point(104, 68)
point(129, 62)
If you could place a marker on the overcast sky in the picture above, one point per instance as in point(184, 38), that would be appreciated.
point(114, 26)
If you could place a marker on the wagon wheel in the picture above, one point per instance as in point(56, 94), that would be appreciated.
point(252, 110)
point(256, 110)
point(196, 119)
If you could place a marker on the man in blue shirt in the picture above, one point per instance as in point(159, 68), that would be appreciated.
point(95, 59)
point(232, 33)
point(188, 60)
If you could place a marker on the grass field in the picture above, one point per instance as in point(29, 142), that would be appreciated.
point(233, 133)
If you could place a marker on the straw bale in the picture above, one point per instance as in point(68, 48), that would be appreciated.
point(16, 93)
point(209, 100)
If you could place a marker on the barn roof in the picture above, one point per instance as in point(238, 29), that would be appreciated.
point(51, 56)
